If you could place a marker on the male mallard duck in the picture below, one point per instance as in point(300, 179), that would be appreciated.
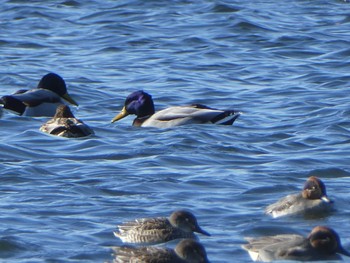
point(180, 224)
point(313, 199)
point(141, 104)
point(186, 251)
point(323, 243)
point(64, 124)
point(41, 101)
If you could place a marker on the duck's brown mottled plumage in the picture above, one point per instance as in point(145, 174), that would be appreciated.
point(64, 124)
point(180, 224)
point(186, 251)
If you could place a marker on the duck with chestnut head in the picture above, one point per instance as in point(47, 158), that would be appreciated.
point(323, 243)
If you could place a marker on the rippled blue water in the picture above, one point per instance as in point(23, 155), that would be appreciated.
point(285, 65)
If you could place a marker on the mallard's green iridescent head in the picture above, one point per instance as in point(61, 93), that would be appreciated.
point(138, 103)
point(56, 83)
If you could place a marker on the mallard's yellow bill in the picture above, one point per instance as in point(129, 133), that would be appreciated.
point(120, 116)
point(68, 98)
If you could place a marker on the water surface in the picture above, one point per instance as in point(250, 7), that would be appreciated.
point(284, 65)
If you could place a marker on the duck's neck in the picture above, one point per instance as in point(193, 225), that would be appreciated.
point(140, 120)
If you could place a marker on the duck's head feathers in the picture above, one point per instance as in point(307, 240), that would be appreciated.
point(56, 83)
point(191, 251)
point(326, 240)
point(63, 111)
point(138, 103)
point(314, 188)
point(186, 221)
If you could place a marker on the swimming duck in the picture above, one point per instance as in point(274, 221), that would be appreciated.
point(141, 104)
point(64, 124)
point(186, 251)
point(180, 224)
point(313, 199)
point(41, 101)
point(323, 243)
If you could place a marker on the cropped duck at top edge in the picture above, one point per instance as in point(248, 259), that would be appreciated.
point(141, 104)
point(311, 200)
point(186, 251)
point(64, 124)
point(180, 224)
point(323, 243)
point(41, 101)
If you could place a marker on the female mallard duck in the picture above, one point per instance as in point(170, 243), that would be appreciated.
point(141, 104)
point(64, 124)
point(186, 251)
point(323, 243)
point(41, 101)
point(180, 224)
point(312, 199)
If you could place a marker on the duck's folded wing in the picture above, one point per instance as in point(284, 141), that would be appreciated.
point(66, 127)
point(143, 223)
point(36, 97)
point(127, 254)
point(270, 248)
point(55, 126)
point(145, 230)
point(259, 243)
point(194, 114)
point(283, 204)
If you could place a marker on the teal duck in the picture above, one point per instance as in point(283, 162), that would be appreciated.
point(180, 224)
point(186, 251)
point(323, 243)
point(64, 124)
point(313, 199)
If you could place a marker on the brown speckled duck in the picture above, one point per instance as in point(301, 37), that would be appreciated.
point(180, 224)
point(186, 251)
point(64, 124)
